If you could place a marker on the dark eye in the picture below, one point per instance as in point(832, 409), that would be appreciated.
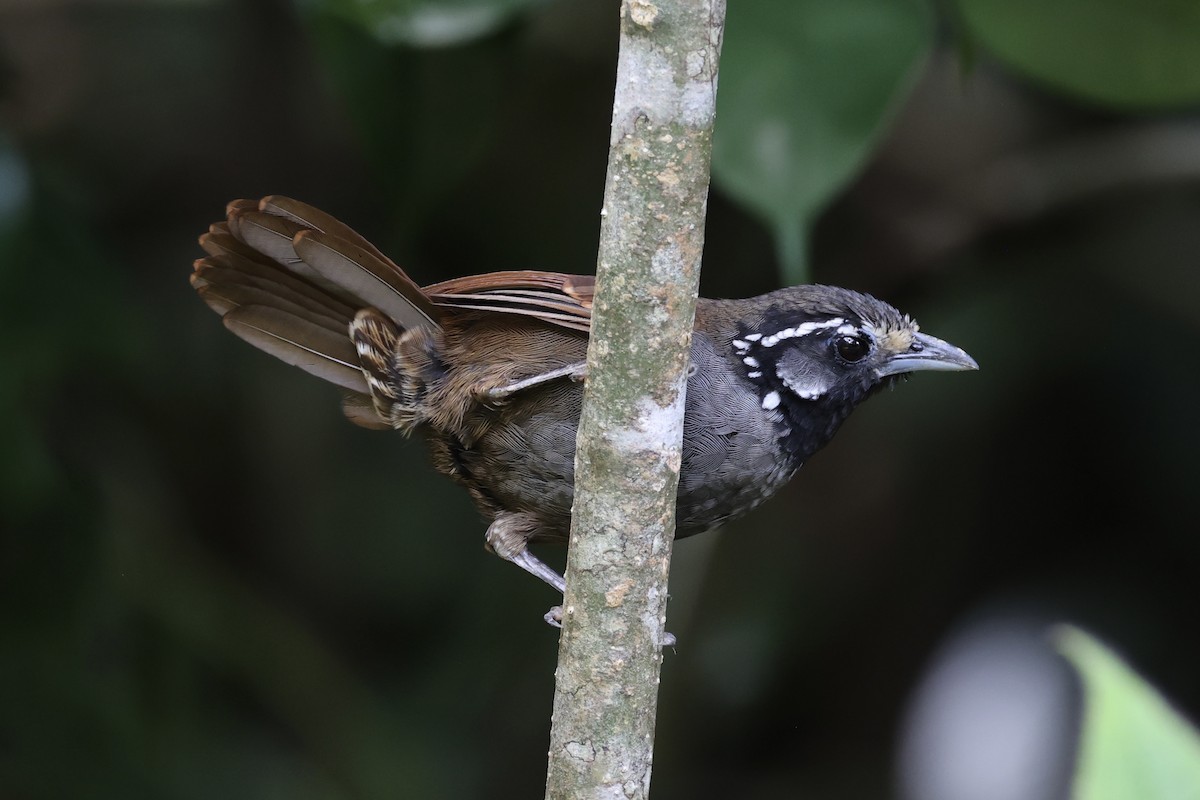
point(851, 348)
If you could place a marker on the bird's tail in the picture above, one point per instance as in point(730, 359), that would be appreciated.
point(298, 284)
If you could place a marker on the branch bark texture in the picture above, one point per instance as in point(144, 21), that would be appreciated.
point(631, 431)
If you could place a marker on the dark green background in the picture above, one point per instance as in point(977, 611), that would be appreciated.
point(211, 585)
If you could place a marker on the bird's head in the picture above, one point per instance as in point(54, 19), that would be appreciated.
point(816, 352)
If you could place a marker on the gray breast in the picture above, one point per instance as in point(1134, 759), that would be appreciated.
point(731, 459)
point(730, 462)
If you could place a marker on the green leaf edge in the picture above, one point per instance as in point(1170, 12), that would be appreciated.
point(1108, 681)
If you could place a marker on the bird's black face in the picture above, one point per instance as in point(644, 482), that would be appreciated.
point(816, 352)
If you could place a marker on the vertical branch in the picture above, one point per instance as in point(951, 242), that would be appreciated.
point(631, 430)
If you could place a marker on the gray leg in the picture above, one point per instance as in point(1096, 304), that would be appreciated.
point(508, 536)
point(535, 566)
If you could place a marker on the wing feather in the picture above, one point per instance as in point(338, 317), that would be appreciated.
point(555, 297)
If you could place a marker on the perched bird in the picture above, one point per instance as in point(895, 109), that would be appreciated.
point(489, 367)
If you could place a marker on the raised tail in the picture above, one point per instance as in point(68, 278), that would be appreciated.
point(291, 280)
point(298, 284)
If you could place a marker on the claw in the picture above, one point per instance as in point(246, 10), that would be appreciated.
point(554, 617)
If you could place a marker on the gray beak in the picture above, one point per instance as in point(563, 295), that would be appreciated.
point(928, 353)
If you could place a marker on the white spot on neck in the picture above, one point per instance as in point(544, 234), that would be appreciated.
point(771, 401)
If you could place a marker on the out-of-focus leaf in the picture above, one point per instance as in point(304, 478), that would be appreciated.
point(1126, 53)
point(1134, 745)
point(14, 186)
point(806, 87)
point(426, 23)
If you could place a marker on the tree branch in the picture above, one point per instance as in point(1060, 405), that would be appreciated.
point(631, 431)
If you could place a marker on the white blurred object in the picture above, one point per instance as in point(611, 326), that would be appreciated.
point(995, 718)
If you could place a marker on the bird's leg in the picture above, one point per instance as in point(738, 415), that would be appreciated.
point(576, 372)
point(508, 537)
point(535, 566)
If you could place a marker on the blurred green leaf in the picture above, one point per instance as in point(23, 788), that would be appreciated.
point(1127, 53)
point(1134, 744)
point(426, 23)
point(806, 88)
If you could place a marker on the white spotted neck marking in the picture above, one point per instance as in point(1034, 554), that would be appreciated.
point(742, 347)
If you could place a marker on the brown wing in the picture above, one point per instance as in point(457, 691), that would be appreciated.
point(564, 300)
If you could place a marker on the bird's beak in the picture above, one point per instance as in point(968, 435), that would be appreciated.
point(928, 353)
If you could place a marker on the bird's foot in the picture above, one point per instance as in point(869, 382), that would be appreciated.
point(554, 617)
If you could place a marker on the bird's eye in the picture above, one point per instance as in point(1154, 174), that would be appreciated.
point(851, 348)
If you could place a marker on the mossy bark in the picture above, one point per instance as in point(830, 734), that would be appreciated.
point(631, 431)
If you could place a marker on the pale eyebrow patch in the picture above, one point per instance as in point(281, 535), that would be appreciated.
point(803, 329)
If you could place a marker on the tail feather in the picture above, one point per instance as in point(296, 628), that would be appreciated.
point(225, 290)
point(289, 280)
point(271, 277)
point(341, 255)
point(297, 341)
point(220, 241)
point(318, 220)
point(381, 284)
point(267, 235)
point(306, 288)
point(235, 271)
point(273, 237)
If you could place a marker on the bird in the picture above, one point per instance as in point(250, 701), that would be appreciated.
point(489, 369)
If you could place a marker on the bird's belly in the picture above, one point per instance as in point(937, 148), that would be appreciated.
point(528, 467)
point(525, 462)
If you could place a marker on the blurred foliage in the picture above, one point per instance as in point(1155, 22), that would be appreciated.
point(1134, 744)
point(806, 87)
point(213, 586)
point(1135, 54)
